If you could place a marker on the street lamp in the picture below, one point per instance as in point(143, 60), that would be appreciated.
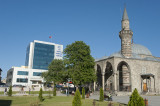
point(68, 86)
point(0, 74)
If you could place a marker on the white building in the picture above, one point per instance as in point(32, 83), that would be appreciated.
point(39, 55)
point(25, 76)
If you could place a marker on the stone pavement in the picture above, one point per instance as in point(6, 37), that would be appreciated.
point(152, 100)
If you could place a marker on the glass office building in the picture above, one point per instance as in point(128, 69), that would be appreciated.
point(43, 55)
point(40, 54)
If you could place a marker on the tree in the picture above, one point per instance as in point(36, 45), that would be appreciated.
point(54, 92)
point(101, 97)
point(10, 91)
point(83, 93)
point(79, 63)
point(55, 72)
point(77, 99)
point(136, 99)
point(40, 95)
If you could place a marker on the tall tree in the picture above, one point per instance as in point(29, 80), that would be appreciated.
point(79, 63)
point(55, 71)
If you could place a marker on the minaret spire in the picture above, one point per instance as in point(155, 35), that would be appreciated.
point(126, 35)
point(125, 20)
point(125, 16)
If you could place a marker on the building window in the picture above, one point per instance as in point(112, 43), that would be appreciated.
point(43, 55)
point(34, 82)
point(37, 73)
point(22, 73)
point(22, 80)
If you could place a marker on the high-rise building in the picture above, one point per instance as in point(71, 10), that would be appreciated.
point(40, 54)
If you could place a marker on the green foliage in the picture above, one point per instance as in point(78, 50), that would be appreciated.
point(40, 95)
point(101, 97)
point(83, 93)
point(55, 71)
point(54, 91)
point(79, 63)
point(136, 99)
point(77, 99)
point(49, 94)
point(10, 91)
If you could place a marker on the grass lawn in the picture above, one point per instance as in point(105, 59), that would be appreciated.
point(53, 101)
point(32, 92)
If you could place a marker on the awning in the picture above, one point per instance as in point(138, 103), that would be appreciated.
point(147, 75)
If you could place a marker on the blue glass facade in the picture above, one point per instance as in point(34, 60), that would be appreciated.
point(27, 55)
point(22, 80)
point(37, 73)
point(22, 73)
point(43, 55)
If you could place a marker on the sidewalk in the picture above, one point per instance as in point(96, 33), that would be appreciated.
point(152, 100)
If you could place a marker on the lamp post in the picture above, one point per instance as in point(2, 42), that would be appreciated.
point(0, 74)
point(68, 86)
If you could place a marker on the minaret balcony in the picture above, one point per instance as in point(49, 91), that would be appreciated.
point(125, 32)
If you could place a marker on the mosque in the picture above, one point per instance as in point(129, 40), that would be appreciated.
point(132, 67)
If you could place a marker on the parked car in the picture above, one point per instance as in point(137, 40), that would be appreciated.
point(58, 86)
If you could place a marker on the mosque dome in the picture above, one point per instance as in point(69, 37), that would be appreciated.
point(140, 50)
point(137, 50)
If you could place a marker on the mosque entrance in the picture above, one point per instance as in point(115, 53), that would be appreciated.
point(99, 78)
point(144, 87)
point(147, 82)
point(108, 77)
point(124, 77)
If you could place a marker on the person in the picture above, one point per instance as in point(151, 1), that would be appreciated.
point(109, 97)
point(5, 91)
point(22, 90)
point(29, 90)
point(66, 91)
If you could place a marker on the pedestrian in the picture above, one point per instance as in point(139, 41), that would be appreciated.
point(5, 91)
point(109, 96)
point(66, 91)
point(29, 90)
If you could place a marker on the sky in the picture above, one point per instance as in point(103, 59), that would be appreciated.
point(96, 22)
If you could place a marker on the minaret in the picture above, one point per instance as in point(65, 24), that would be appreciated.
point(125, 35)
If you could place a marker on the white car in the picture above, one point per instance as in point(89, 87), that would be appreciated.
point(71, 85)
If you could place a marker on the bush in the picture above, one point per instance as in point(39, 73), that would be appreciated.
point(40, 95)
point(10, 91)
point(83, 93)
point(136, 99)
point(101, 97)
point(77, 99)
point(49, 94)
point(54, 92)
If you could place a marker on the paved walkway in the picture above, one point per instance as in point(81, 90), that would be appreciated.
point(152, 100)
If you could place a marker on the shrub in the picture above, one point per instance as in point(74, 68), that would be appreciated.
point(101, 97)
point(136, 99)
point(77, 99)
point(10, 91)
point(54, 92)
point(40, 95)
point(49, 93)
point(83, 93)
